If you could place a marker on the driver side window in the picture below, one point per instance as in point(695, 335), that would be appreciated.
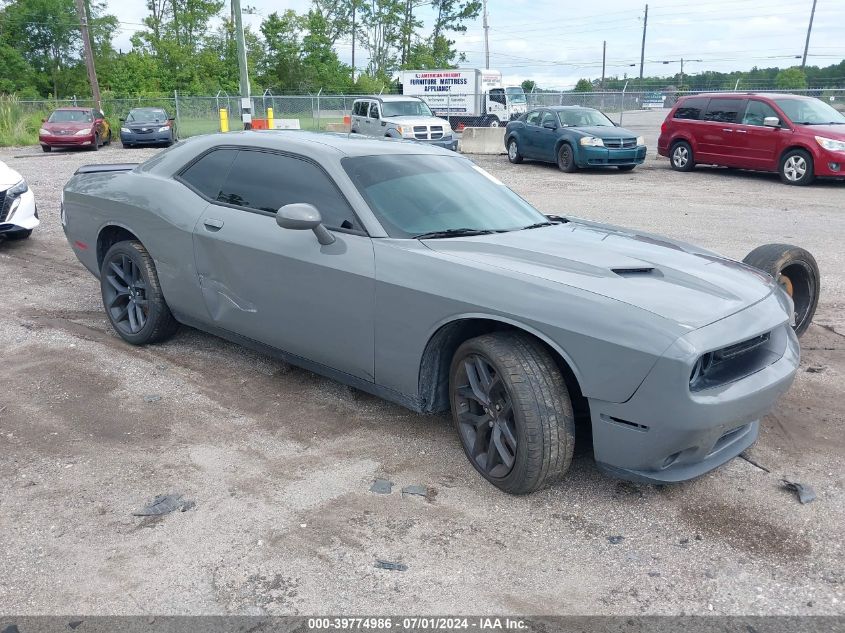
point(756, 112)
point(533, 118)
point(548, 117)
point(374, 110)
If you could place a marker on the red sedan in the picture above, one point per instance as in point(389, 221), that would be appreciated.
point(75, 127)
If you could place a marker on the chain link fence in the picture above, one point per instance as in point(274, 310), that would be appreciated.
point(323, 112)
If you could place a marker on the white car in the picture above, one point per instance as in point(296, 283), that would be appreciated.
point(18, 214)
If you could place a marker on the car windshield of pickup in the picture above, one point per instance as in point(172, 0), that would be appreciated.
point(415, 195)
point(583, 118)
point(411, 107)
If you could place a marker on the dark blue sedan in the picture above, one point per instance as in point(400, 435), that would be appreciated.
point(573, 137)
point(147, 126)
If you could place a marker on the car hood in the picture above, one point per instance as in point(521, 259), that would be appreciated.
point(144, 125)
point(73, 126)
point(603, 131)
point(8, 176)
point(836, 132)
point(689, 286)
point(414, 120)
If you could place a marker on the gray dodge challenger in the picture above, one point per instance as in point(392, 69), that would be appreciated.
point(408, 272)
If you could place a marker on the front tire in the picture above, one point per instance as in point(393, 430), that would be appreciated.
point(796, 167)
point(512, 411)
point(566, 159)
point(513, 152)
point(96, 146)
point(132, 296)
point(797, 272)
point(681, 157)
point(494, 122)
point(46, 148)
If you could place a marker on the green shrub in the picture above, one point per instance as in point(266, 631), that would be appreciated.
point(16, 126)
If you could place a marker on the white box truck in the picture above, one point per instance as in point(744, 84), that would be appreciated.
point(466, 96)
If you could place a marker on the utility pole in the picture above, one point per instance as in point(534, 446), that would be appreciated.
point(603, 62)
point(354, 10)
point(809, 30)
point(89, 53)
point(486, 37)
point(642, 50)
point(246, 102)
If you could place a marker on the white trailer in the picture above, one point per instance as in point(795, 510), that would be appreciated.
point(465, 96)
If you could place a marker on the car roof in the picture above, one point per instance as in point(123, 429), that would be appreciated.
point(739, 95)
point(148, 108)
point(569, 107)
point(317, 143)
point(74, 108)
point(390, 98)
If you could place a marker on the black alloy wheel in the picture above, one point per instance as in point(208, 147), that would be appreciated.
point(485, 417)
point(125, 295)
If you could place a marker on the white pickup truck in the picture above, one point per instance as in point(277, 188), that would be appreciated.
point(399, 116)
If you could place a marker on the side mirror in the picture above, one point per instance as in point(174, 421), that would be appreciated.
point(304, 217)
point(550, 125)
point(771, 121)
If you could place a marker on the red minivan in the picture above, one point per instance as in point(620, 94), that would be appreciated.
point(798, 137)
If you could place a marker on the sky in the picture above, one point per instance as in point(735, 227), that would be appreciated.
point(556, 42)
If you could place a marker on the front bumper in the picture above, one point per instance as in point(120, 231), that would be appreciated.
point(602, 156)
point(829, 164)
point(447, 142)
point(24, 217)
point(150, 138)
point(66, 140)
point(666, 433)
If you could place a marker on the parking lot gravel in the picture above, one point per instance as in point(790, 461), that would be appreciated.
point(279, 462)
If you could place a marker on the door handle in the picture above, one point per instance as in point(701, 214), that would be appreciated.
point(727, 130)
point(213, 225)
point(742, 131)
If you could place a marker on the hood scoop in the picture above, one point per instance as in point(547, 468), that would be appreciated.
point(634, 272)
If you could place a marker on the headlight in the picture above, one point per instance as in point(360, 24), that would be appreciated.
point(591, 141)
point(641, 140)
point(831, 144)
point(83, 133)
point(12, 200)
point(164, 128)
point(43, 132)
point(125, 130)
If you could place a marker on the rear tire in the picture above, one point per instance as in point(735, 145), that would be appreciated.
point(797, 272)
point(796, 168)
point(681, 157)
point(566, 159)
point(513, 152)
point(512, 411)
point(132, 296)
point(96, 146)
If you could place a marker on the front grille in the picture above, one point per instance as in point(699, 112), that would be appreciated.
point(143, 130)
point(3, 210)
point(620, 143)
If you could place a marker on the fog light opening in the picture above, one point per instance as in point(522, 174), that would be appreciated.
point(670, 460)
point(834, 166)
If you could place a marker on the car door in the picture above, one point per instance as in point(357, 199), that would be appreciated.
point(280, 286)
point(356, 122)
point(373, 120)
point(718, 141)
point(530, 134)
point(547, 137)
point(758, 145)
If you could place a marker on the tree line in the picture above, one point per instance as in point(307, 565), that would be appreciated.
point(189, 46)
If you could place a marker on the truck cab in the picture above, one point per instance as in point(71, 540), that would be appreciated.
point(401, 116)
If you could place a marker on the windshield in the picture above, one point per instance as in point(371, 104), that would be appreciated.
point(515, 94)
point(583, 118)
point(146, 116)
point(405, 108)
point(413, 194)
point(71, 116)
point(809, 111)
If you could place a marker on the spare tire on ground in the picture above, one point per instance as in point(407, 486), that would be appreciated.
point(796, 270)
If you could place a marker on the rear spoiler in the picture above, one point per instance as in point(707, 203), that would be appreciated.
point(106, 167)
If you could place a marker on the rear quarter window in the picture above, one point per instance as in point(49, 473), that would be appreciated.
point(691, 109)
point(207, 174)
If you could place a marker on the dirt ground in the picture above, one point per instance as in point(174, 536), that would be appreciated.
point(279, 461)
